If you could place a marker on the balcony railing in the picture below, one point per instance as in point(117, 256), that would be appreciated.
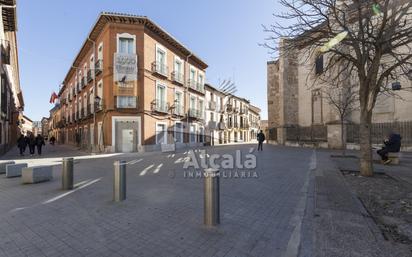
point(243, 110)
point(160, 106)
point(90, 76)
point(160, 68)
point(177, 77)
point(212, 105)
point(229, 108)
point(193, 84)
point(178, 110)
point(195, 113)
point(98, 67)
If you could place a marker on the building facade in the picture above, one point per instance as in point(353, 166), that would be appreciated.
point(229, 118)
point(11, 99)
point(132, 87)
point(299, 112)
point(45, 127)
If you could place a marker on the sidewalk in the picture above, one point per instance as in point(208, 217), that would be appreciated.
point(335, 222)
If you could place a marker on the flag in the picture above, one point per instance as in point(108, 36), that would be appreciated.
point(53, 97)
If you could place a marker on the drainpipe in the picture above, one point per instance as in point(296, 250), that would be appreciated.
point(187, 95)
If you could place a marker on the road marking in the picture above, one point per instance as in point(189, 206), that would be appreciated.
point(132, 162)
point(146, 170)
point(158, 168)
point(70, 192)
point(80, 183)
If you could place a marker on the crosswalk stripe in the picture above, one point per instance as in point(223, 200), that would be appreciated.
point(158, 168)
point(146, 170)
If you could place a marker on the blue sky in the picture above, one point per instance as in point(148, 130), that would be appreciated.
point(224, 33)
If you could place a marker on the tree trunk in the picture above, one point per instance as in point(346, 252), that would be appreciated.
point(366, 166)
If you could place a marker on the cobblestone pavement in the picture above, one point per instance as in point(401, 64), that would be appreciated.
point(162, 215)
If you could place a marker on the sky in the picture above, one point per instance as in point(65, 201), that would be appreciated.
point(224, 33)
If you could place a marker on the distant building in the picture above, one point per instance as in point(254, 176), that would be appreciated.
point(26, 125)
point(45, 127)
point(11, 98)
point(229, 118)
point(37, 128)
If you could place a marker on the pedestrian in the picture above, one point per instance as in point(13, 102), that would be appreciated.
point(21, 144)
point(32, 144)
point(260, 138)
point(52, 140)
point(392, 144)
point(40, 143)
point(27, 139)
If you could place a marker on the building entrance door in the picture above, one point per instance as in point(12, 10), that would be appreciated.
point(127, 141)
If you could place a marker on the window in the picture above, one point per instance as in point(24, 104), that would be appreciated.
point(192, 75)
point(161, 93)
point(161, 133)
point(201, 134)
point(126, 102)
point(192, 133)
point(201, 108)
point(192, 102)
point(100, 51)
point(178, 66)
point(100, 89)
point(319, 65)
point(126, 45)
point(179, 102)
point(178, 132)
point(160, 56)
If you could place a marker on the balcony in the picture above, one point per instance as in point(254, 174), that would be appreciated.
point(200, 87)
point(177, 77)
point(160, 68)
point(178, 110)
point(195, 113)
point(243, 110)
point(236, 110)
point(160, 106)
point(90, 76)
point(125, 102)
point(98, 67)
point(212, 105)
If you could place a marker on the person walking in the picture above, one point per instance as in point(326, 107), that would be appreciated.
point(21, 144)
point(32, 143)
point(260, 138)
point(52, 140)
point(39, 143)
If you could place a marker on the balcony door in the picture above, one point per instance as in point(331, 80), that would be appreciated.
point(161, 97)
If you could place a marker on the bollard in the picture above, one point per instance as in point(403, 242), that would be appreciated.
point(211, 205)
point(67, 174)
point(119, 186)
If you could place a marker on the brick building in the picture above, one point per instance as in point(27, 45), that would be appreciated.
point(11, 97)
point(132, 87)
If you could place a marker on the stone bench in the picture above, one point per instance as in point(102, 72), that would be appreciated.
point(394, 157)
point(14, 170)
point(37, 174)
point(3, 165)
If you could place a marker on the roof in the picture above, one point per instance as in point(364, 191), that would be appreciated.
point(27, 118)
point(8, 12)
point(111, 17)
point(254, 109)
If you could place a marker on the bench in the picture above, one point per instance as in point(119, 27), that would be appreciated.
point(37, 174)
point(394, 157)
point(3, 165)
point(14, 170)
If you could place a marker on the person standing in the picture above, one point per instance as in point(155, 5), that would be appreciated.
point(39, 143)
point(21, 144)
point(260, 138)
point(32, 143)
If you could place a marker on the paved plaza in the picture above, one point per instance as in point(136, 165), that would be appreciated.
point(295, 203)
point(163, 212)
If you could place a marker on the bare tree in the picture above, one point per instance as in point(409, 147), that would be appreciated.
point(371, 39)
point(344, 99)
